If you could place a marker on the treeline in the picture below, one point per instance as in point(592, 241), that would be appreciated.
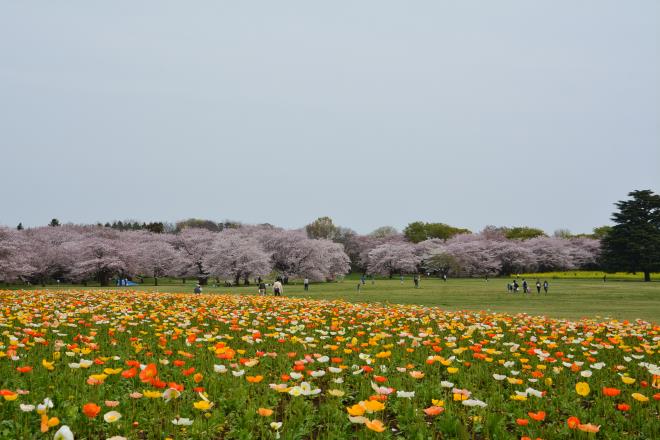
point(238, 253)
point(322, 250)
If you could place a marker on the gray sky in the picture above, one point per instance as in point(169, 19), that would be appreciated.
point(540, 113)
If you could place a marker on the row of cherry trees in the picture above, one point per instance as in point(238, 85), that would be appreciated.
point(80, 253)
point(479, 255)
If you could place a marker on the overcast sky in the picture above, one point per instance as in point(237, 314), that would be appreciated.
point(539, 113)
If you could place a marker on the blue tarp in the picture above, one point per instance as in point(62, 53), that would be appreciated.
point(125, 282)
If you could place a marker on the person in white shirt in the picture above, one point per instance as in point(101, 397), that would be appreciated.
point(278, 290)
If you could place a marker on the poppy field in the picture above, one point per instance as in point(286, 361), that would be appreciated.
point(100, 364)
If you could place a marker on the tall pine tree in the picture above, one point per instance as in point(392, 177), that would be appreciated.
point(633, 243)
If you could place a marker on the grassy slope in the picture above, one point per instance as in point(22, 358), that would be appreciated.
point(567, 298)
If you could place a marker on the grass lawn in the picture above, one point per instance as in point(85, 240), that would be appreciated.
point(567, 298)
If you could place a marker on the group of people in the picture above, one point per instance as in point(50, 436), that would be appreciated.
point(514, 287)
point(278, 286)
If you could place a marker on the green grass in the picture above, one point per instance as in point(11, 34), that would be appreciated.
point(590, 274)
point(567, 298)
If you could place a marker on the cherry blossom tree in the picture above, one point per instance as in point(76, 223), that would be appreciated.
point(585, 252)
point(149, 254)
point(475, 257)
point(14, 263)
point(97, 256)
point(388, 259)
point(48, 253)
point(237, 256)
point(295, 255)
point(194, 248)
point(551, 253)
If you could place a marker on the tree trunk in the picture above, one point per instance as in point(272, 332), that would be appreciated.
point(647, 275)
point(155, 281)
point(183, 280)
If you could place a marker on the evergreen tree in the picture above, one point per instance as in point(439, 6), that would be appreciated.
point(54, 222)
point(633, 243)
point(20, 226)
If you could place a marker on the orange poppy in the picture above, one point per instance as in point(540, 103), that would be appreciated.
point(611, 392)
point(127, 374)
point(433, 410)
point(175, 385)
point(573, 422)
point(589, 427)
point(538, 416)
point(522, 422)
point(149, 372)
point(48, 423)
point(623, 407)
point(254, 379)
point(265, 412)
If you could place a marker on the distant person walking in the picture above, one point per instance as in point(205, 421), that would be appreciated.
point(416, 281)
point(359, 286)
point(525, 286)
point(401, 279)
point(278, 290)
point(262, 288)
point(605, 278)
point(538, 287)
point(444, 276)
point(545, 286)
point(362, 279)
point(198, 289)
point(306, 284)
point(515, 286)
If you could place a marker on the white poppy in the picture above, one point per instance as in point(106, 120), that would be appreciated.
point(64, 433)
